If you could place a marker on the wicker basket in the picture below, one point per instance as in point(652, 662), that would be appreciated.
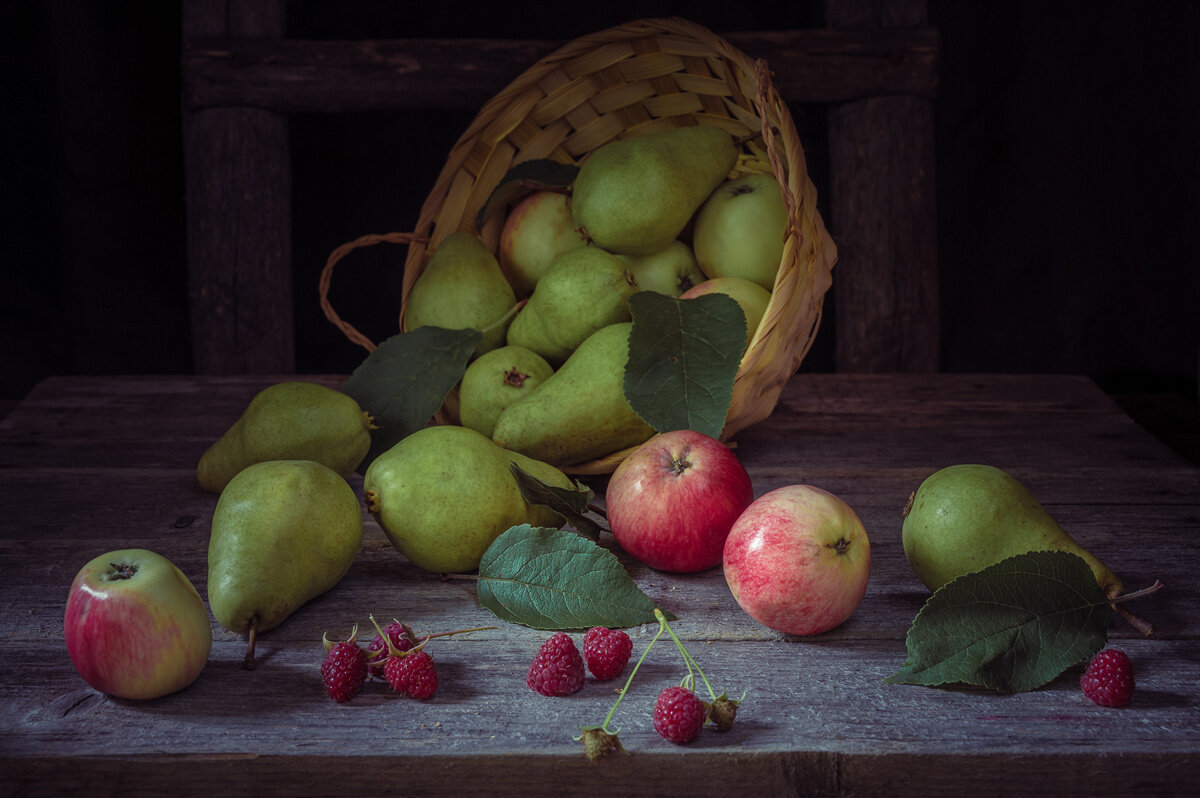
point(625, 81)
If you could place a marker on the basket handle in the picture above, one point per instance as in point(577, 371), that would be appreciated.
point(327, 278)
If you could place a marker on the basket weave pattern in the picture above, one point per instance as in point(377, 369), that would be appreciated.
point(625, 81)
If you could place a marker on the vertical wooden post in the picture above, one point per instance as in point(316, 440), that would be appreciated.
point(883, 215)
point(238, 214)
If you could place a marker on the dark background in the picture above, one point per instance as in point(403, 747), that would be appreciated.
point(1067, 174)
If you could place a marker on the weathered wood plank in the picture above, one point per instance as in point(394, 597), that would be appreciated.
point(884, 216)
point(239, 246)
point(334, 76)
point(817, 716)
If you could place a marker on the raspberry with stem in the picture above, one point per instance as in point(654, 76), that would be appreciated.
point(721, 709)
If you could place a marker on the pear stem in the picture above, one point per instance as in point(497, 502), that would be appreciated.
point(1143, 626)
point(248, 660)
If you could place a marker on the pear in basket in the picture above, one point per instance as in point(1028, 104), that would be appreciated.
point(495, 380)
point(462, 287)
point(580, 412)
point(635, 196)
point(585, 289)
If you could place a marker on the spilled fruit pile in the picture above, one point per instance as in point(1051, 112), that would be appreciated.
point(655, 260)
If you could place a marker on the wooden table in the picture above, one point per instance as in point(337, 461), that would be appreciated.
point(88, 465)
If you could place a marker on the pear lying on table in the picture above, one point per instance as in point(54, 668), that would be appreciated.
point(966, 517)
point(283, 533)
point(635, 196)
point(290, 421)
point(444, 493)
point(580, 413)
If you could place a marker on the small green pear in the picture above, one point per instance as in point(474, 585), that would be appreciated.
point(283, 533)
point(579, 413)
point(495, 380)
point(585, 289)
point(445, 492)
point(966, 517)
point(462, 287)
point(290, 421)
point(635, 196)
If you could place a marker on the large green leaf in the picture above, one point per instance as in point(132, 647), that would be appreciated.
point(1012, 627)
point(683, 356)
point(555, 579)
point(405, 379)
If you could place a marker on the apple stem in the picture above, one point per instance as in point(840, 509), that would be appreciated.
point(248, 660)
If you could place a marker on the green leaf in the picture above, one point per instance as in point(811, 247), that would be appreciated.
point(555, 579)
point(570, 503)
point(526, 177)
point(1013, 626)
point(405, 379)
point(683, 356)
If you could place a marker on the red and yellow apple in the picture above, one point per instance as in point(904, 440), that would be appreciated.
point(739, 230)
point(537, 230)
point(670, 271)
point(135, 625)
point(798, 560)
point(671, 502)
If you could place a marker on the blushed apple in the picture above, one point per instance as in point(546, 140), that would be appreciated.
point(537, 230)
point(751, 297)
point(671, 271)
point(135, 625)
point(671, 502)
point(798, 560)
point(739, 230)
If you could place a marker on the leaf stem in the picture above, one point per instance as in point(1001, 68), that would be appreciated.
point(1142, 625)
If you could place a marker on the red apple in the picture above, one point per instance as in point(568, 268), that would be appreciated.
point(671, 502)
point(798, 560)
point(135, 626)
point(537, 230)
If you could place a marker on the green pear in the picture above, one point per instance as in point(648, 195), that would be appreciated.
point(966, 517)
point(445, 492)
point(290, 421)
point(580, 412)
point(462, 287)
point(635, 196)
point(283, 533)
point(495, 380)
point(584, 289)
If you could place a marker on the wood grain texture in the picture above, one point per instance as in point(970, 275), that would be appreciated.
point(293, 75)
point(92, 464)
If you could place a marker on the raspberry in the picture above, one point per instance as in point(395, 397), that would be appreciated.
point(1108, 679)
point(606, 651)
point(377, 651)
point(344, 670)
point(414, 674)
point(557, 669)
point(678, 715)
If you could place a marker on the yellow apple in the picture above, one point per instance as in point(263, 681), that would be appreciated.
point(537, 230)
point(671, 271)
point(751, 297)
point(739, 230)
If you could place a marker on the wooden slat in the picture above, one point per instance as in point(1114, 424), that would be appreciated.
point(331, 76)
point(884, 215)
